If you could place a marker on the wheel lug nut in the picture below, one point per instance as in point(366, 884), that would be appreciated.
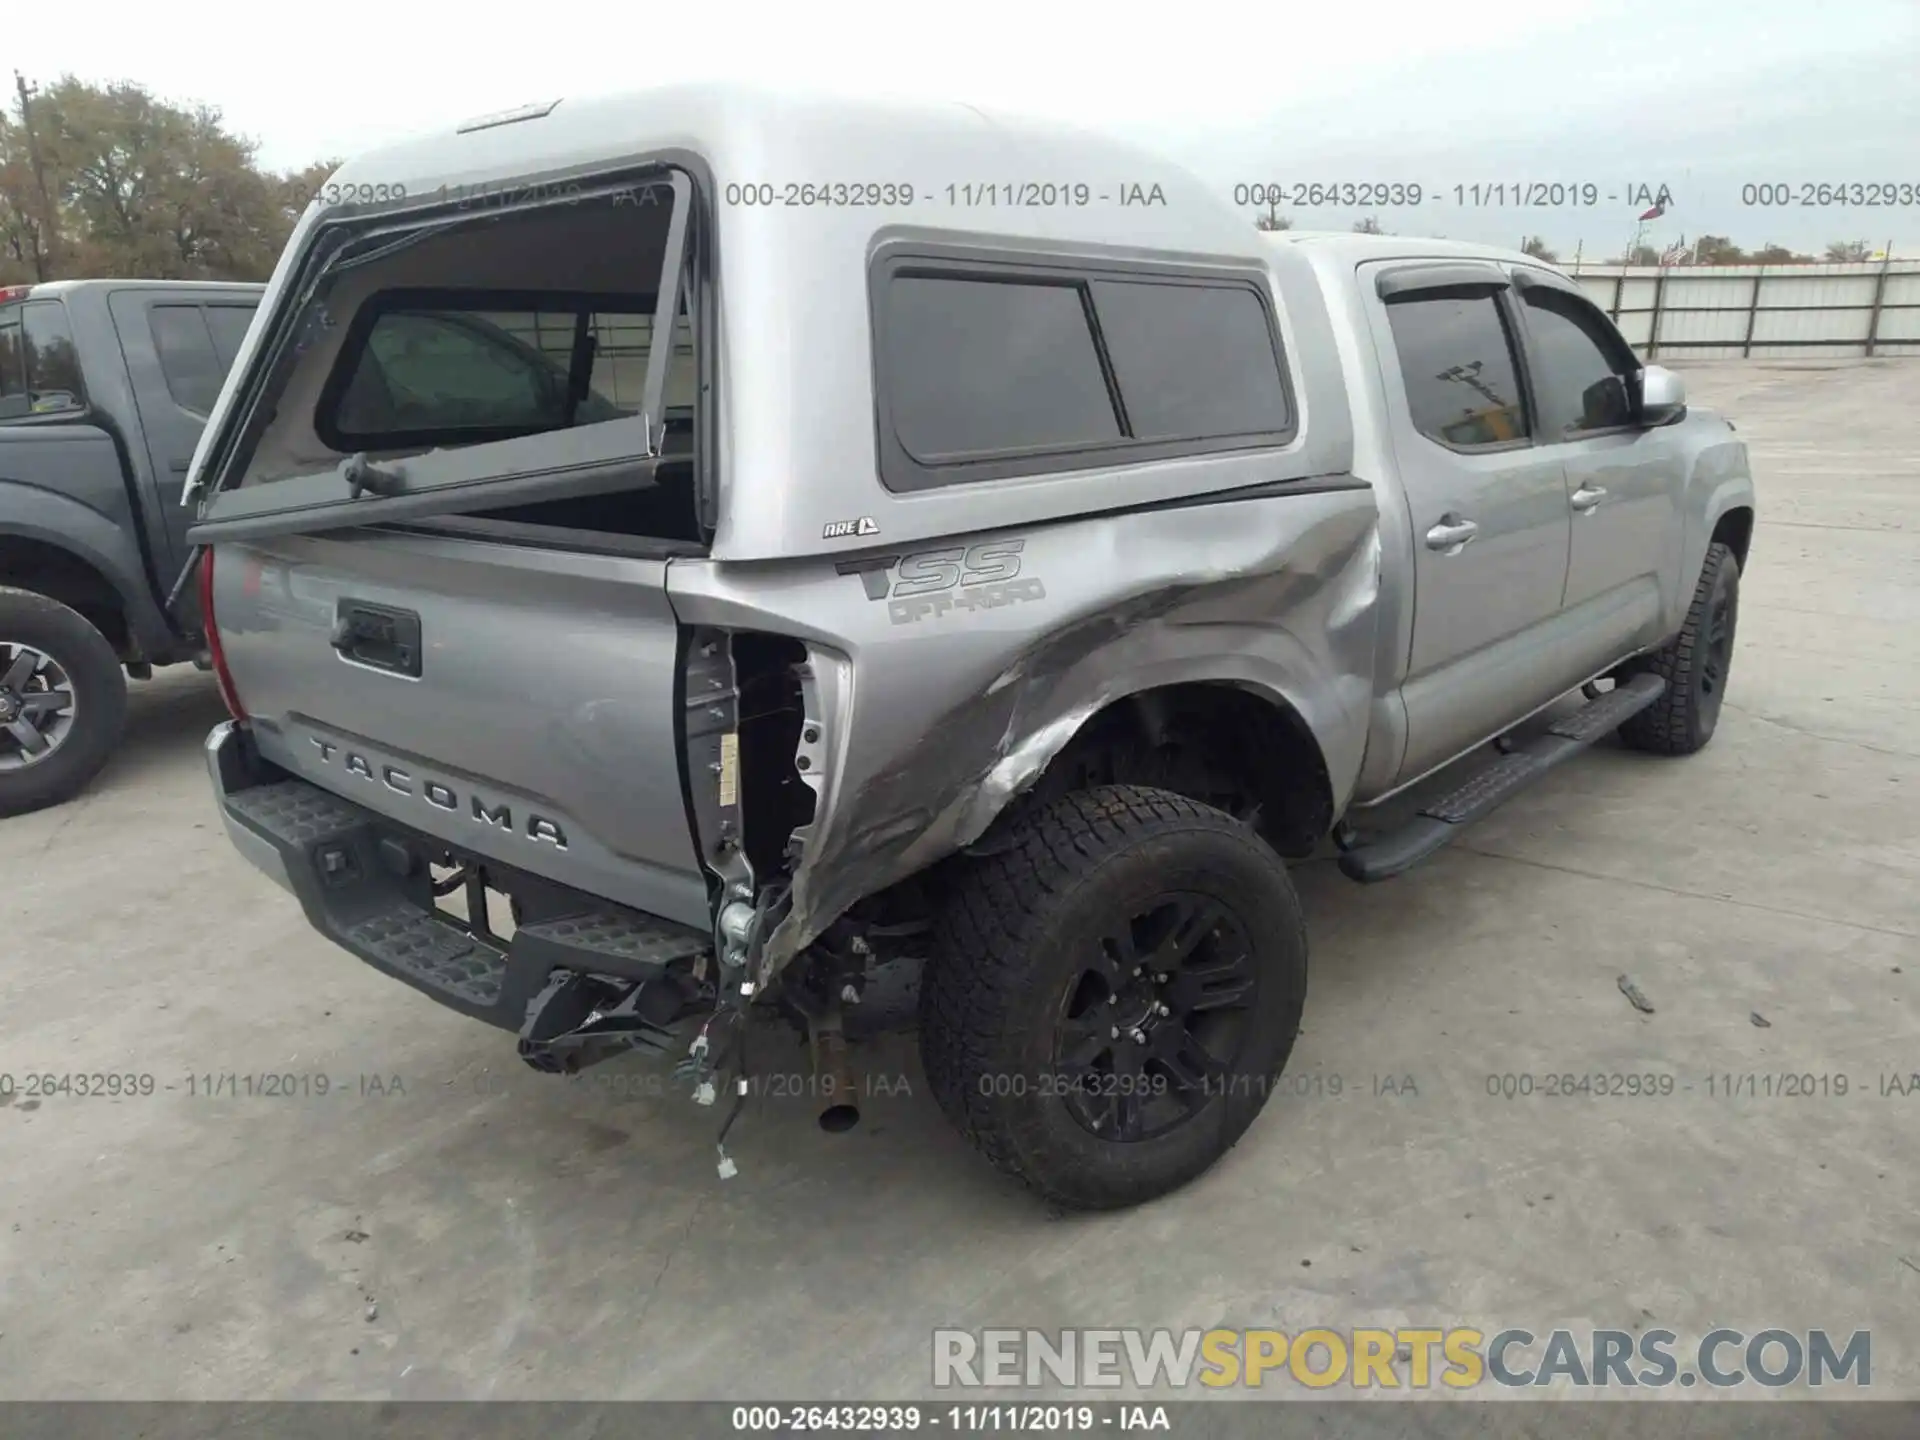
point(1113, 999)
point(1163, 1009)
point(1114, 1033)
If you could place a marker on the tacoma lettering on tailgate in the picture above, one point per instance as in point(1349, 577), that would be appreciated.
point(442, 796)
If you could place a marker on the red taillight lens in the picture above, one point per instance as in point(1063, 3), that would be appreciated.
point(218, 656)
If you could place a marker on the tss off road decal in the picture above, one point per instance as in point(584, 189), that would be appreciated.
point(936, 582)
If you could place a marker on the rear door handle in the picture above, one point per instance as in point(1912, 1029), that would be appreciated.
point(1587, 497)
point(1451, 535)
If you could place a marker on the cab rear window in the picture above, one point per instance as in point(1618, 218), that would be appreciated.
point(425, 368)
point(39, 367)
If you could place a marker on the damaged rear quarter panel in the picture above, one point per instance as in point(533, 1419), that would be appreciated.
point(942, 700)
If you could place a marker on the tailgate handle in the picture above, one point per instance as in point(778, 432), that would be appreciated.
point(378, 636)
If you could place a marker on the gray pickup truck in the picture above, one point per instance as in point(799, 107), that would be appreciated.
point(895, 570)
point(104, 388)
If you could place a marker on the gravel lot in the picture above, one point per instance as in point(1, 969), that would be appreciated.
point(445, 1223)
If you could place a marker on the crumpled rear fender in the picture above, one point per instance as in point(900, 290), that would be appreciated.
point(945, 682)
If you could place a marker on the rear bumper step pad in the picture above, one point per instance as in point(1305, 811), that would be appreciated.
point(364, 883)
point(1445, 816)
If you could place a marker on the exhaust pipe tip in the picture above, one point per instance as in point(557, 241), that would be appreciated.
point(842, 1110)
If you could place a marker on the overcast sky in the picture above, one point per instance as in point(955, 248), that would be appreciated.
point(1702, 97)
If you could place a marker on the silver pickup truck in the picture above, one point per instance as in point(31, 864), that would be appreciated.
point(706, 555)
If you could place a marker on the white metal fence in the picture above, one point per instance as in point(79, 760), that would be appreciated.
point(1712, 312)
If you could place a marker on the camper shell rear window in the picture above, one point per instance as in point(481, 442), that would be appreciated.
point(500, 364)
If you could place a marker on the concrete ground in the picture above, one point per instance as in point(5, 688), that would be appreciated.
point(445, 1223)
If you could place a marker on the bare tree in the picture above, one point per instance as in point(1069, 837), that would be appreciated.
point(1533, 245)
point(1719, 250)
point(1271, 221)
point(1641, 256)
point(1367, 226)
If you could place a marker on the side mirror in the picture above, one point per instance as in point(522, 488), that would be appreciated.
point(1606, 403)
point(1663, 397)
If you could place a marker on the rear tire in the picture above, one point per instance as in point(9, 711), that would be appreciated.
point(1695, 664)
point(1045, 949)
point(50, 750)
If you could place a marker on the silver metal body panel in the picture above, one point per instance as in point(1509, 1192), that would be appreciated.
point(1547, 595)
point(540, 731)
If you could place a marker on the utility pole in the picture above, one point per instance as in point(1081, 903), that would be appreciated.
point(45, 234)
point(1470, 375)
point(1879, 295)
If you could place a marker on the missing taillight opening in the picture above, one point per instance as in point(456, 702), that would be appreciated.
point(215, 654)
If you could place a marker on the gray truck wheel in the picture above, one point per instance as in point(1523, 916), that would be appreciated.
point(1111, 997)
point(63, 701)
point(1695, 665)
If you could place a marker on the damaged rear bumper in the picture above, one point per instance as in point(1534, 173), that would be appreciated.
point(364, 882)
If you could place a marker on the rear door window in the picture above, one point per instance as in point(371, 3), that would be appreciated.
point(228, 324)
point(1463, 386)
point(184, 345)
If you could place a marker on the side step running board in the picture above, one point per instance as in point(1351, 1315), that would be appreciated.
point(1444, 817)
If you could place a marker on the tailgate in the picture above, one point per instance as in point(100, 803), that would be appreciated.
point(518, 703)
